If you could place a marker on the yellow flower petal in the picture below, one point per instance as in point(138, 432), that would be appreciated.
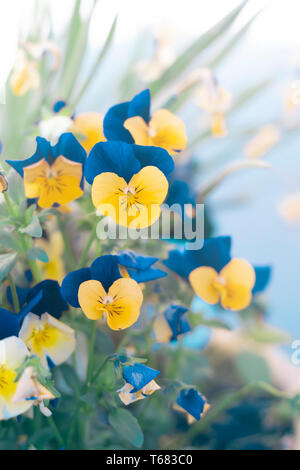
point(167, 131)
point(89, 126)
point(32, 177)
point(90, 296)
point(124, 310)
point(64, 167)
point(139, 130)
point(202, 281)
point(239, 277)
point(108, 196)
point(60, 190)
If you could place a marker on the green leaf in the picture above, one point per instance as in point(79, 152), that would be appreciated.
point(268, 334)
point(7, 262)
point(127, 426)
point(197, 319)
point(15, 187)
point(34, 229)
point(8, 240)
point(70, 377)
point(37, 253)
point(252, 368)
point(191, 52)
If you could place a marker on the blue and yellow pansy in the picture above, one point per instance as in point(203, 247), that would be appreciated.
point(102, 288)
point(215, 276)
point(131, 122)
point(139, 384)
point(88, 127)
point(53, 174)
point(48, 338)
point(129, 182)
point(193, 403)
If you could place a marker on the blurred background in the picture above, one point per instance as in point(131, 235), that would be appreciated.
point(265, 60)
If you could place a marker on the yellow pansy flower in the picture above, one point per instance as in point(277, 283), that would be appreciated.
point(89, 127)
point(25, 75)
point(12, 354)
point(47, 338)
point(135, 204)
point(121, 303)
point(54, 247)
point(232, 286)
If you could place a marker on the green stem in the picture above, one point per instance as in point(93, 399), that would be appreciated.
point(33, 266)
point(56, 431)
point(221, 407)
point(73, 423)
point(87, 247)
point(14, 294)
point(68, 251)
point(100, 369)
point(8, 204)
point(90, 357)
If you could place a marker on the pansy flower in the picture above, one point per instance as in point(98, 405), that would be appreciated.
point(54, 247)
point(215, 276)
point(50, 300)
point(12, 354)
point(48, 338)
point(129, 182)
point(53, 174)
point(88, 127)
point(101, 289)
point(139, 384)
point(193, 403)
point(30, 389)
point(172, 324)
point(131, 122)
point(25, 75)
point(3, 183)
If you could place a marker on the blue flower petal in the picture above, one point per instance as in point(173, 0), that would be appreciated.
point(214, 253)
point(263, 276)
point(114, 157)
point(58, 106)
point(69, 147)
point(9, 324)
point(150, 274)
point(139, 375)
point(71, 283)
point(177, 320)
point(113, 128)
point(52, 301)
point(154, 156)
point(139, 266)
point(180, 193)
point(140, 106)
point(105, 270)
point(192, 402)
point(43, 150)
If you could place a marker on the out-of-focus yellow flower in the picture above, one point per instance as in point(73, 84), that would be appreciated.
point(232, 286)
point(292, 97)
point(289, 207)
point(164, 130)
point(216, 101)
point(127, 397)
point(58, 183)
point(30, 389)
point(89, 127)
point(25, 75)
point(3, 183)
point(37, 50)
point(12, 354)
point(48, 338)
point(162, 331)
point(265, 139)
point(54, 247)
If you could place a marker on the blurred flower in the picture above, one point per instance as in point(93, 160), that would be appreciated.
point(172, 324)
point(49, 297)
point(180, 193)
point(292, 97)
point(265, 139)
point(25, 75)
point(232, 286)
point(215, 254)
point(89, 127)
point(164, 55)
point(48, 338)
point(216, 101)
point(193, 403)
point(139, 384)
point(101, 289)
point(54, 247)
point(53, 127)
point(129, 182)
point(37, 49)
point(289, 207)
point(53, 174)
point(12, 354)
point(131, 122)
point(3, 183)
point(30, 389)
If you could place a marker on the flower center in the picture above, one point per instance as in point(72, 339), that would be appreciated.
point(152, 132)
point(7, 384)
